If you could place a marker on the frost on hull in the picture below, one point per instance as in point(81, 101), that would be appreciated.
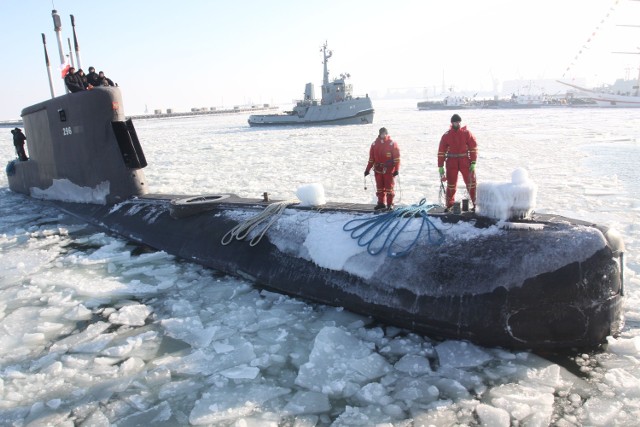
point(550, 288)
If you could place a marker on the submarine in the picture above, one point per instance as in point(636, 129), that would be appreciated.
point(533, 282)
point(501, 277)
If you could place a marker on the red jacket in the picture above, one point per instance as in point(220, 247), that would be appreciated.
point(456, 143)
point(384, 156)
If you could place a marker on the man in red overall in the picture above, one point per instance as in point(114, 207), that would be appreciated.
point(384, 158)
point(459, 148)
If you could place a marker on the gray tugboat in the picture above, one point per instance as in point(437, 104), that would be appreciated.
point(338, 106)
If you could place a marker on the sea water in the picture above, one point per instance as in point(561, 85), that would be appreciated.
point(95, 330)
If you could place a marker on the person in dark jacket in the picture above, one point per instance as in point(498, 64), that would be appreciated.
point(104, 80)
point(73, 81)
point(18, 142)
point(84, 80)
point(92, 77)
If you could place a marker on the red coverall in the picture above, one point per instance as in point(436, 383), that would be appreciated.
point(384, 158)
point(459, 148)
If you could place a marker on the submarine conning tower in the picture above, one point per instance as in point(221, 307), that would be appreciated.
point(83, 138)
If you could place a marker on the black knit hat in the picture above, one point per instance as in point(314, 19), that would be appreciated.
point(455, 118)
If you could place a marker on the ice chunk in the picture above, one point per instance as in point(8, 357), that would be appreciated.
point(186, 388)
point(157, 377)
point(339, 364)
point(492, 417)
point(402, 346)
point(623, 382)
point(132, 345)
point(311, 195)
point(548, 376)
point(203, 363)
point(373, 393)
point(601, 411)
point(131, 366)
point(79, 312)
point(461, 354)
point(532, 405)
point(439, 416)
point(42, 415)
point(413, 365)
point(367, 416)
point(452, 389)
point(96, 419)
point(307, 402)
point(415, 389)
point(241, 372)
point(190, 330)
point(132, 315)
point(232, 402)
point(157, 416)
point(624, 346)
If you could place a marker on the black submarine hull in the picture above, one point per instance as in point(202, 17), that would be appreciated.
point(497, 290)
point(549, 283)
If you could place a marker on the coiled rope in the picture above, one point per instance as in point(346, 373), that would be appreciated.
point(370, 231)
point(272, 212)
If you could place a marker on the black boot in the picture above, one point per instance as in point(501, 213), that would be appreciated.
point(379, 206)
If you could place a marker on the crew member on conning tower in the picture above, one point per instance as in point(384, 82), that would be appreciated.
point(458, 147)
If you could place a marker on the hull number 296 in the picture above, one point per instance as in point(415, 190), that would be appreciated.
point(67, 131)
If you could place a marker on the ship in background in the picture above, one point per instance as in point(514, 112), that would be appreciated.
point(524, 96)
point(624, 93)
point(337, 106)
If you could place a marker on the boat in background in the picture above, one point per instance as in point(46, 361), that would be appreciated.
point(604, 98)
point(624, 93)
point(515, 102)
point(337, 106)
point(450, 102)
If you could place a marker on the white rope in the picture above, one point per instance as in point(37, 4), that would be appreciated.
point(272, 212)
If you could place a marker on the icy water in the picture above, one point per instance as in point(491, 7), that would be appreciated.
point(96, 331)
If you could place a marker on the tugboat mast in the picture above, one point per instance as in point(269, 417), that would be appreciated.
point(326, 54)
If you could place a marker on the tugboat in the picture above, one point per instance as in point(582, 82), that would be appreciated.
point(518, 280)
point(337, 106)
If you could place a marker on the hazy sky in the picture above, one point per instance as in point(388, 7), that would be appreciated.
point(183, 54)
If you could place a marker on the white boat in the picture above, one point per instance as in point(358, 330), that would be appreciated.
point(622, 94)
point(450, 102)
point(337, 105)
point(603, 98)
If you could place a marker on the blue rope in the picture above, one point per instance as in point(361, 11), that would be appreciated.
point(369, 231)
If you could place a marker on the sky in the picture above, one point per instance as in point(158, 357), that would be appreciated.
point(179, 55)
